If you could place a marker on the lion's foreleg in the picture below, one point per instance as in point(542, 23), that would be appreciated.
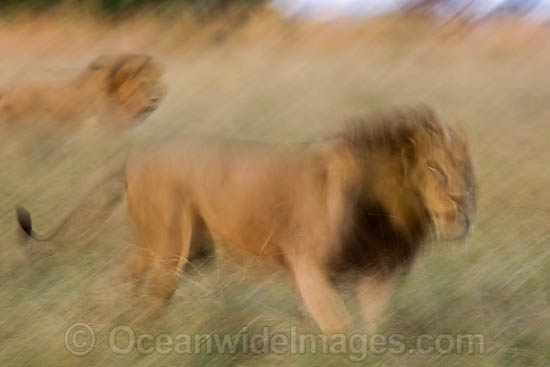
point(320, 296)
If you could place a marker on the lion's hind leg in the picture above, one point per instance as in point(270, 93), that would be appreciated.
point(170, 254)
point(137, 267)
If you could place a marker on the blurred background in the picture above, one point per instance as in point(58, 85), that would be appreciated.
point(282, 71)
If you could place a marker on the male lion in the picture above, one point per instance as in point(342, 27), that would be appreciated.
point(120, 88)
point(359, 203)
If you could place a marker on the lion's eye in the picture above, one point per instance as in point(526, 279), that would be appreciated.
point(433, 167)
point(437, 172)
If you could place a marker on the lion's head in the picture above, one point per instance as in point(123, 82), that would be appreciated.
point(437, 169)
point(419, 172)
point(443, 173)
point(131, 82)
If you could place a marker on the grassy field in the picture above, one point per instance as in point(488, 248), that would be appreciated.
point(280, 82)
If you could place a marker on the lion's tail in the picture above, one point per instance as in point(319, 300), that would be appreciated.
point(24, 217)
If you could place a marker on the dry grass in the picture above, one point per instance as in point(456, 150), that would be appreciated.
point(285, 82)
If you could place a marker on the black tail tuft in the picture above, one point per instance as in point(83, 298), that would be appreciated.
point(24, 219)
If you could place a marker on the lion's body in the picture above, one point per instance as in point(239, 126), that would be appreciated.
point(359, 204)
point(63, 103)
point(116, 89)
point(261, 191)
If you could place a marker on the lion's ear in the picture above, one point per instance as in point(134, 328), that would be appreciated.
point(125, 69)
point(429, 120)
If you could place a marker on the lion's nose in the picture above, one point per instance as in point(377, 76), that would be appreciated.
point(457, 198)
point(467, 223)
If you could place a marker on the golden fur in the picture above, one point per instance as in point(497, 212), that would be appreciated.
point(360, 203)
point(120, 89)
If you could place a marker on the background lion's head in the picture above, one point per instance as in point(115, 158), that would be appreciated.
point(131, 84)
